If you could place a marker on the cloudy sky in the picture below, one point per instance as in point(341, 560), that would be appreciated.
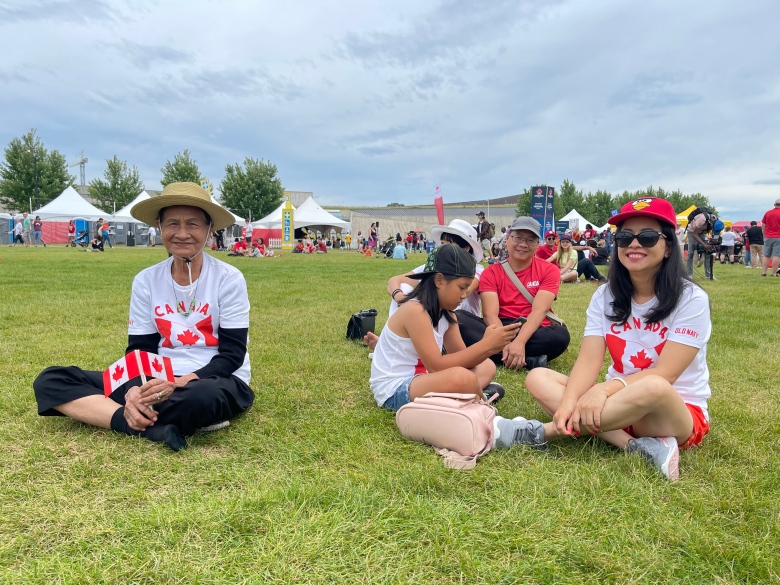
point(369, 102)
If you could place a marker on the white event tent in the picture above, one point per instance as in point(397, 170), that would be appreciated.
point(237, 220)
point(69, 205)
point(272, 221)
point(124, 213)
point(311, 215)
point(578, 219)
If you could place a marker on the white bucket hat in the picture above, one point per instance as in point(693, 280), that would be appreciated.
point(461, 228)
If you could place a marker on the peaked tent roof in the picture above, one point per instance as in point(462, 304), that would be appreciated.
point(124, 213)
point(273, 220)
point(311, 215)
point(574, 214)
point(69, 205)
point(236, 219)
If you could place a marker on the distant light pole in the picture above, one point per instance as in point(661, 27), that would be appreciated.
point(35, 174)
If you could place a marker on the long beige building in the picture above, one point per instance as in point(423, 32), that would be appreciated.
point(402, 220)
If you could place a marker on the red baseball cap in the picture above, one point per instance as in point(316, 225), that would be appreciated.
point(654, 207)
point(548, 234)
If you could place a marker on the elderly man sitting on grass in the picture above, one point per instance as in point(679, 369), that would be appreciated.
point(190, 308)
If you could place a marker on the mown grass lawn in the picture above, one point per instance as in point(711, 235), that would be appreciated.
point(315, 485)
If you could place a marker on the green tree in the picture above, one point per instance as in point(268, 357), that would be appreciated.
point(182, 169)
point(600, 206)
point(120, 187)
point(568, 198)
point(252, 190)
point(523, 204)
point(19, 168)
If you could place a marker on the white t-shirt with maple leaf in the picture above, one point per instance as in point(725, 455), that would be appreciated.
point(158, 305)
point(636, 346)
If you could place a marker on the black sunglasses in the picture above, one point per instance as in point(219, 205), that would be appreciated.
point(646, 239)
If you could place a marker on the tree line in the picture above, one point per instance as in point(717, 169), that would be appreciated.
point(249, 189)
point(597, 207)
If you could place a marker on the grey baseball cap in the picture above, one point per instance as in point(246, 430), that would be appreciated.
point(526, 223)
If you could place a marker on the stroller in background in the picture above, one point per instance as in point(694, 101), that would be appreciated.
point(386, 248)
point(82, 239)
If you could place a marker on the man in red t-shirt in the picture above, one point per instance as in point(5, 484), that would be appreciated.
point(771, 227)
point(539, 340)
point(548, 247)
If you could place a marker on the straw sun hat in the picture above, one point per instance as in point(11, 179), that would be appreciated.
point(182, 194)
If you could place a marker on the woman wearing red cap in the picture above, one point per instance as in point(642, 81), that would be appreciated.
point(655, 323)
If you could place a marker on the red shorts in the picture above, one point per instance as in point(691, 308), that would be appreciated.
point(700, 427)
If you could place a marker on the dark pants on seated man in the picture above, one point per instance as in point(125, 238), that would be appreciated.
point(550, 341)
point(198, 404)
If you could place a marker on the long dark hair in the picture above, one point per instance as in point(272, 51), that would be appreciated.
point(670, 281)
point(427, 294)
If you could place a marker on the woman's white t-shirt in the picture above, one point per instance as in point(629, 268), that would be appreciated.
point(396, 360)
point(727, 238)
point(635, 346)
point(158, 305)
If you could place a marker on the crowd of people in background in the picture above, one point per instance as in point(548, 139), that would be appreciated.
point(576, 253)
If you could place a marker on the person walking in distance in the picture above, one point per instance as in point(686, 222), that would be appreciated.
point(771, 230)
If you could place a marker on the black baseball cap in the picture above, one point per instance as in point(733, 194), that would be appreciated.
point(450, 260)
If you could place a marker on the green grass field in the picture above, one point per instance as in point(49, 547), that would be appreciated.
point(315, 485)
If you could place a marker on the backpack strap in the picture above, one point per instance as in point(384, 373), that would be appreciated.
point(528, 297)
point(454, 461)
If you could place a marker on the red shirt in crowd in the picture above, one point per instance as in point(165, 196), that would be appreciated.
point(771, 223)
point(540, 275)
point(544, 251)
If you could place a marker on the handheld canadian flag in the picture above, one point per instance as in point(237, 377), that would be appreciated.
point(134, 364)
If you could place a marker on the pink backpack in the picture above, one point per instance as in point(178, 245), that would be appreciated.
point(458, 426)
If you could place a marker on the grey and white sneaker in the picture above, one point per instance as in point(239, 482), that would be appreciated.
point(661, 452)
point(519, 431)
point(215, 427)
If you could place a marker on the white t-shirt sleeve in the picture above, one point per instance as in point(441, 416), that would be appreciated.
point(594, 317)
point(233, 302)
point(691, 324)
point(140, 321)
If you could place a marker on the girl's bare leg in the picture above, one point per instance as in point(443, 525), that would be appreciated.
point(452, 380)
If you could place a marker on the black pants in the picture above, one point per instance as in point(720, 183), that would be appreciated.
point(198, 404)
point(586, 267)
point(551, 341)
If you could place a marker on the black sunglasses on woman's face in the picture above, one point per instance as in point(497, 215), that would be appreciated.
point(646, 239)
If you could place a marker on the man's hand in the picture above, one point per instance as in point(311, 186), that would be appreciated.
point(138, 415)
point(514, 355)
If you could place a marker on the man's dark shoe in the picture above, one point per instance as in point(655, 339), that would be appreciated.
point(539, 361)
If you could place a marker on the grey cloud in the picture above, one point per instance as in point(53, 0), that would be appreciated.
point(145, 57)
point(10, 77)
point(767, 182)
point(74, 11)
point(653, 92)
point(448, 31)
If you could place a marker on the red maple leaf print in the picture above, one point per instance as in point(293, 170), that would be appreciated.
point(641, 360)
point(118, 373)
point(187, 338)
point(157, 365)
